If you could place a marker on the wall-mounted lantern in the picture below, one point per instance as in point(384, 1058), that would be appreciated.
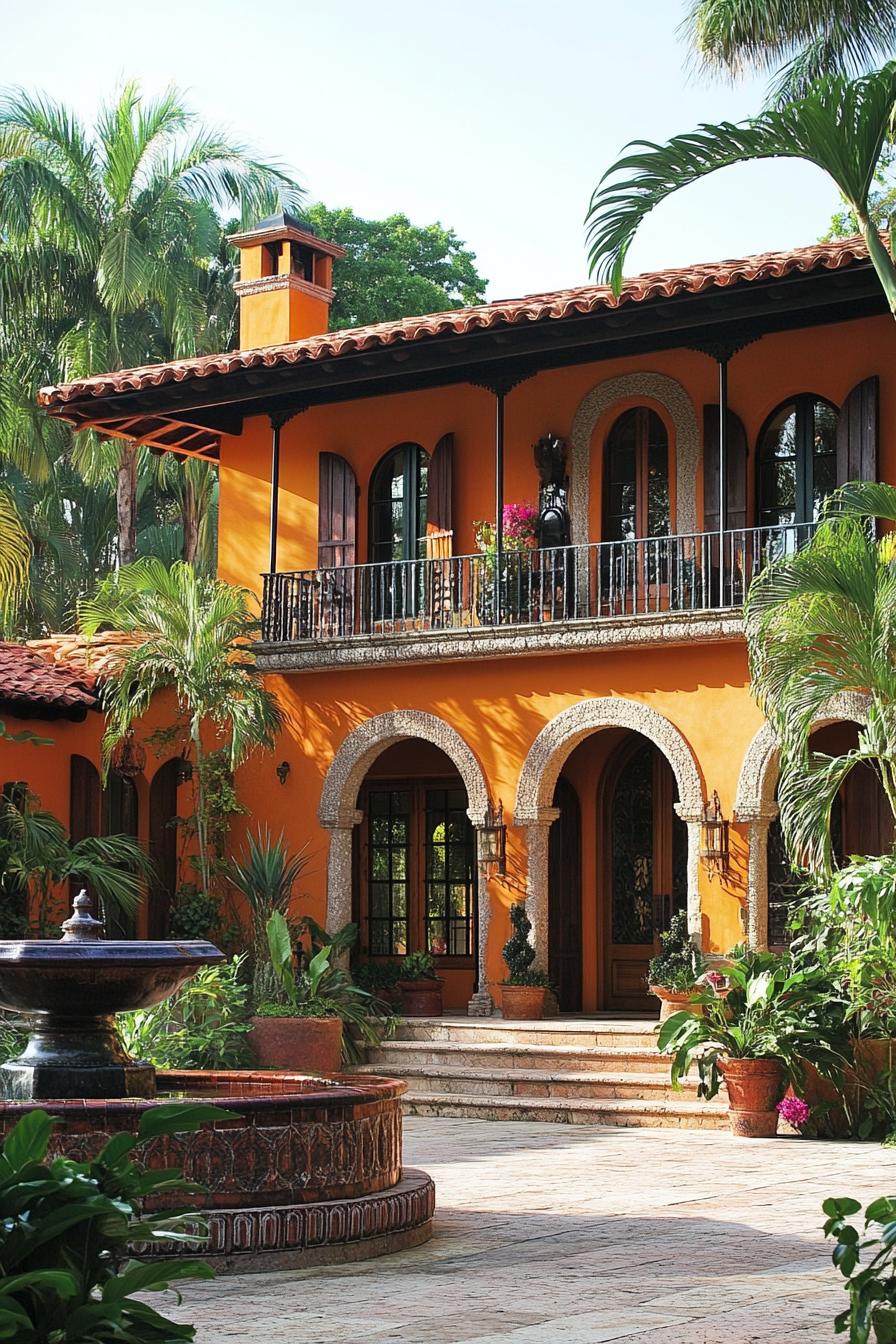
point(184, 770)
point(493, 840)
point(714, 837)
point(128, 757)
point(283, 770)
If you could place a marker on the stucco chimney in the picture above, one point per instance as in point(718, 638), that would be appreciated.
point(286, 281)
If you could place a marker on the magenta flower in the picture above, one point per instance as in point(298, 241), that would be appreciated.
point(794, 1110)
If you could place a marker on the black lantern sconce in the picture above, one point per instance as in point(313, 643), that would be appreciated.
point(128, 757)
point(714, 837)
point(283, 770)
point(184, 770)
point(493, 840)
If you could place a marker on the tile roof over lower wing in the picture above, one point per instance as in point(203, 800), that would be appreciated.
point(33, 687)
point(459, 321)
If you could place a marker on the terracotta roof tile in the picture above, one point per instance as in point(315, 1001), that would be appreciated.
point(458, 321)
point(33, 687)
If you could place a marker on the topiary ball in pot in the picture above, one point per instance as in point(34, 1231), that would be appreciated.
point(522, 993)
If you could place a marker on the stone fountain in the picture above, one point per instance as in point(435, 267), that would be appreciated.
point(310, 1171)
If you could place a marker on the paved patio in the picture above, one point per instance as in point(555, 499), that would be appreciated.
point(550, 1234)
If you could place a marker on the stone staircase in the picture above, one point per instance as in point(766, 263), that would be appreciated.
point(574, 1070)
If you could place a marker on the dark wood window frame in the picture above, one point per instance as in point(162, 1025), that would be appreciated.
point(804, 404)
point(414, 515)
point(643, 416)
point(416, 869)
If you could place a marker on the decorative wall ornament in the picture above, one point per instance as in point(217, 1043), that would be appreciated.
point(553, 491)
point(664, 391)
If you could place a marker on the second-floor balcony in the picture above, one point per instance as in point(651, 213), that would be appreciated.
point(645, 591)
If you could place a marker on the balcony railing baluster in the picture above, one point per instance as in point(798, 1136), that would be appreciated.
point(603, 581)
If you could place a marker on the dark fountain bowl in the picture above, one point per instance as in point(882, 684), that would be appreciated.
point(69, 992)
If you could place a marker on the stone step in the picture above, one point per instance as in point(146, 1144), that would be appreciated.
point(494, 1031)
point(571, 1111)
point(396, 1054)
point(540, 1083)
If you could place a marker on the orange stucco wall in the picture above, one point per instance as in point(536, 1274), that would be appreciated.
point(499, 706)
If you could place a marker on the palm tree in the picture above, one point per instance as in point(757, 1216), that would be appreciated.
point(196, 635)
point(108, 233)
point(821, 622)
point(839, 124)
point(824, 37)
point(15, 553)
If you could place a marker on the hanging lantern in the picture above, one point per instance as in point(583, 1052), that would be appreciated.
point(184, 770)
point(714, 837)
point(493, 840)
point(128, 757)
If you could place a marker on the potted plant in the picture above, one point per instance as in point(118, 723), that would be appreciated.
point(673, 975)
point(381, 978)
point(302, 1027)
point(421, 988)
point(265, 877)
point(523, 992)
point(758, 1036)
point(519, 535)
point(872, 1289)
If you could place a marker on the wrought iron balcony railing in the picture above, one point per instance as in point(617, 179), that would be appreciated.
point(607, 580)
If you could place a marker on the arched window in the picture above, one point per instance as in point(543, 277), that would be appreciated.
point(636, 477)
point(398, 504)
point(797, 461)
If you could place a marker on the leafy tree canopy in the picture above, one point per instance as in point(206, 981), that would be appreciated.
point(394, 269)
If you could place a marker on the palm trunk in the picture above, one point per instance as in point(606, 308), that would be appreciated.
point(201, 812)
point(126, 503)
point(190, 522)
point(881, 259)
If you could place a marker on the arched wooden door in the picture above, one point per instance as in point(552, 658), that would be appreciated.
point(643, 872)
point(162, 846)
point(565, 899)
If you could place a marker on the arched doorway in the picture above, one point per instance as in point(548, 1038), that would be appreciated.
point(163, 837)
point(565, 900)
point(861, 823)
point(414, 887)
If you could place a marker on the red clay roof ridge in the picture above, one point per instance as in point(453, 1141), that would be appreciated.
point(554, 304)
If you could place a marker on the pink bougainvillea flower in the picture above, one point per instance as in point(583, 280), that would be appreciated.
point(794, 1110)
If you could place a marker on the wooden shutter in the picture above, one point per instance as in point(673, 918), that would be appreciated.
point(736, 470)
point(84, 807)
point(857, 433)
point(439, 511)
point(337, 518)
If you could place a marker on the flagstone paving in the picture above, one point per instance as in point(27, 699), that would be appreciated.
point(551, 1234)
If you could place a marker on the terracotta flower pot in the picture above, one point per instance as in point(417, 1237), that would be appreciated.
point(674, 1001)
point(421, 998)
point(301, 1044)
point(754, 1089)
point(873, 1059)
point(521, 1003)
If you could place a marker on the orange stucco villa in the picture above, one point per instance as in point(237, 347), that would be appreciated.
point(593, 681)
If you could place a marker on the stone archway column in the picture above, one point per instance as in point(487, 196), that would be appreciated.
point(757, 822)
point(693, 821)
point(481, 1004)
point(538, 832)
point(339, 871)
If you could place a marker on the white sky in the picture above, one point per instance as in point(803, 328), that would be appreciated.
point(496, 117)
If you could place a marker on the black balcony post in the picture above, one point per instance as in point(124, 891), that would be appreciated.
point(277, 423)
point(723, 469)
point(499, 498)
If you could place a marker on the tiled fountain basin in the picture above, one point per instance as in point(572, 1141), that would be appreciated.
point(310, 1172)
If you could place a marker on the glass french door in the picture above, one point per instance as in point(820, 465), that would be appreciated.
point(418, 869)
point(645, 869)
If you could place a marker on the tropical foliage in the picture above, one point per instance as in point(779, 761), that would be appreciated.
point(841, 125)
point(821, 622)
point(679, 964)
point(110, 256)
point(203, 1026)
point(393, 268)
point(66, 1270)
point(265, 877)
point(196, 634)
point(808, 38)
point(868, 1264)
point(37, 856)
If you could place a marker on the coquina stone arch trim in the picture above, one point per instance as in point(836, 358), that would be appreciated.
point(538, 780)
point(756, 808)
point(666, 392)
point(338, 812)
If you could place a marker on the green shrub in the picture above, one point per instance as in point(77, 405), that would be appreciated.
point(872, 1289)
point(518, 952)
point(66, 1273)
point(195, 915)
point(679, 963)
point(418, 966)
point(203, 1026)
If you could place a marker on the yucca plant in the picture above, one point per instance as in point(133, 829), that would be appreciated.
point(841, 125)
point(196, 635)
point(266, 877)
point(822, 622)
